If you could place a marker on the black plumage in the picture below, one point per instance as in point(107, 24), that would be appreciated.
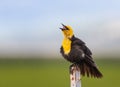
point(80, 55)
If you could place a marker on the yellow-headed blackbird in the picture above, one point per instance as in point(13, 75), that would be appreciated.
point(75, 51)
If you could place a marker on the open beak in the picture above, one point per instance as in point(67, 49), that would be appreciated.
point(64, 27)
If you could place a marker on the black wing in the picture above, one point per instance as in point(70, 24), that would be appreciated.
point(81, 44)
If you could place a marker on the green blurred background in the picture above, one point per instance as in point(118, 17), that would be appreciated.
point(30, 41)
point(53, 73)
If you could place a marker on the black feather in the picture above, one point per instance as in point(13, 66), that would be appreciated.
point(80, 54)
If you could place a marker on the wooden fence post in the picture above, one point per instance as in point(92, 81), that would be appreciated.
point(75, 80)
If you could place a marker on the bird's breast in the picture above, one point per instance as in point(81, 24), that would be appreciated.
point(66, 44)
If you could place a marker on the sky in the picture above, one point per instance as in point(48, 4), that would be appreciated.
point(31, 27)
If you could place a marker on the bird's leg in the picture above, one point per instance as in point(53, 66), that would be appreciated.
point(72, 67)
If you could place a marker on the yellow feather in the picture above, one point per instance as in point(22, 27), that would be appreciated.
point(66, 45)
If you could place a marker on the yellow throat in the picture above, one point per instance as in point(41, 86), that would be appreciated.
point(68, 34)
point(66, 45)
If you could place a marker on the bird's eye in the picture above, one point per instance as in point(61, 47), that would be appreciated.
point(67, 28)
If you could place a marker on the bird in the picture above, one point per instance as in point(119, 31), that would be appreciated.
point(75, 51)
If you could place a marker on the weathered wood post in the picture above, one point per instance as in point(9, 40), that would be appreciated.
point(75, 79)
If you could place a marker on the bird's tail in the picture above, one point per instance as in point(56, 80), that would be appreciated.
point(88, 67)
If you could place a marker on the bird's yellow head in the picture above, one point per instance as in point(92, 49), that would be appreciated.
point(67, 31)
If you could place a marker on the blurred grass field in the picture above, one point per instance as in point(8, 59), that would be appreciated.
point(53, 73)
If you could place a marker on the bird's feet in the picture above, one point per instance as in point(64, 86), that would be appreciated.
point(73, 67)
